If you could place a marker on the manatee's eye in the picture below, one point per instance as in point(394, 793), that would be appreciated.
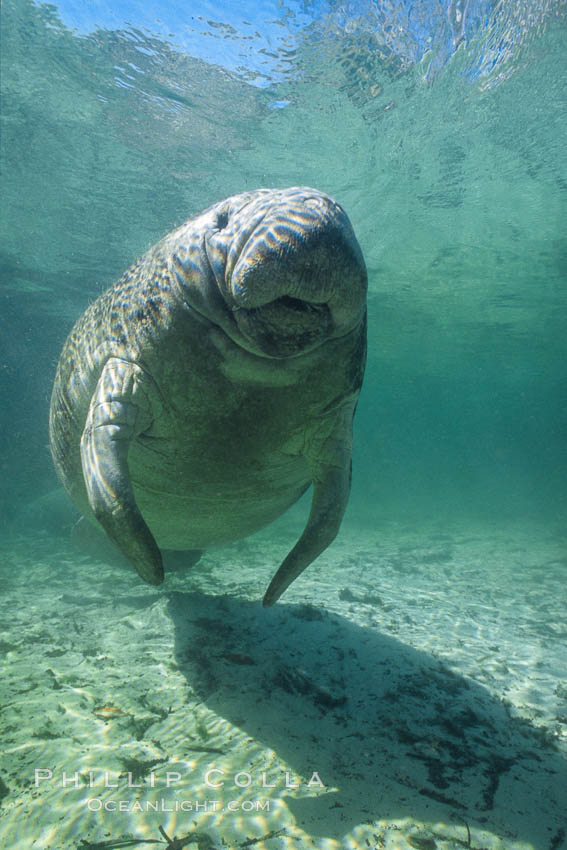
point(222, 220)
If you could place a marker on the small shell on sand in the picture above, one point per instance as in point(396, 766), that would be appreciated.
point(108, 712)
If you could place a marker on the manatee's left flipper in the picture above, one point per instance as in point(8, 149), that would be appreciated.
point(118, 411)
point(330, 457)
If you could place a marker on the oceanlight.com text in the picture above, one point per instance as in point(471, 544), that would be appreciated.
point(96, 804)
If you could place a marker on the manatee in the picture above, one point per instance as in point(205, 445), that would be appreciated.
point(202, 394)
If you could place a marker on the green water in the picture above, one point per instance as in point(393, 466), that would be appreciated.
point(457, 189)
point(450, 157)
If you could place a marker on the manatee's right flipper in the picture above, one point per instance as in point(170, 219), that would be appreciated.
point(118, 411)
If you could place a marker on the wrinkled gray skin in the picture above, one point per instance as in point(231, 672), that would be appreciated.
point(200, 396)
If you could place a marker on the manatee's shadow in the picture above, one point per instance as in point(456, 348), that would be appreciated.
point(397, 732)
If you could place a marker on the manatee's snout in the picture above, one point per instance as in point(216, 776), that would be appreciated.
point(296, 277)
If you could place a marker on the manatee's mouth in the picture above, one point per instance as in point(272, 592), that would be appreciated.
point(285, 326)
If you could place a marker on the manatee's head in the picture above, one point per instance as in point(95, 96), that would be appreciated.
point(286, 273)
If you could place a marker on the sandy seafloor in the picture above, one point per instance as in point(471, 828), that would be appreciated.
point(419, 672)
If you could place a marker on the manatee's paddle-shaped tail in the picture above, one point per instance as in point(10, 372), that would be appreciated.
point(330, 458)
point(117, 412)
